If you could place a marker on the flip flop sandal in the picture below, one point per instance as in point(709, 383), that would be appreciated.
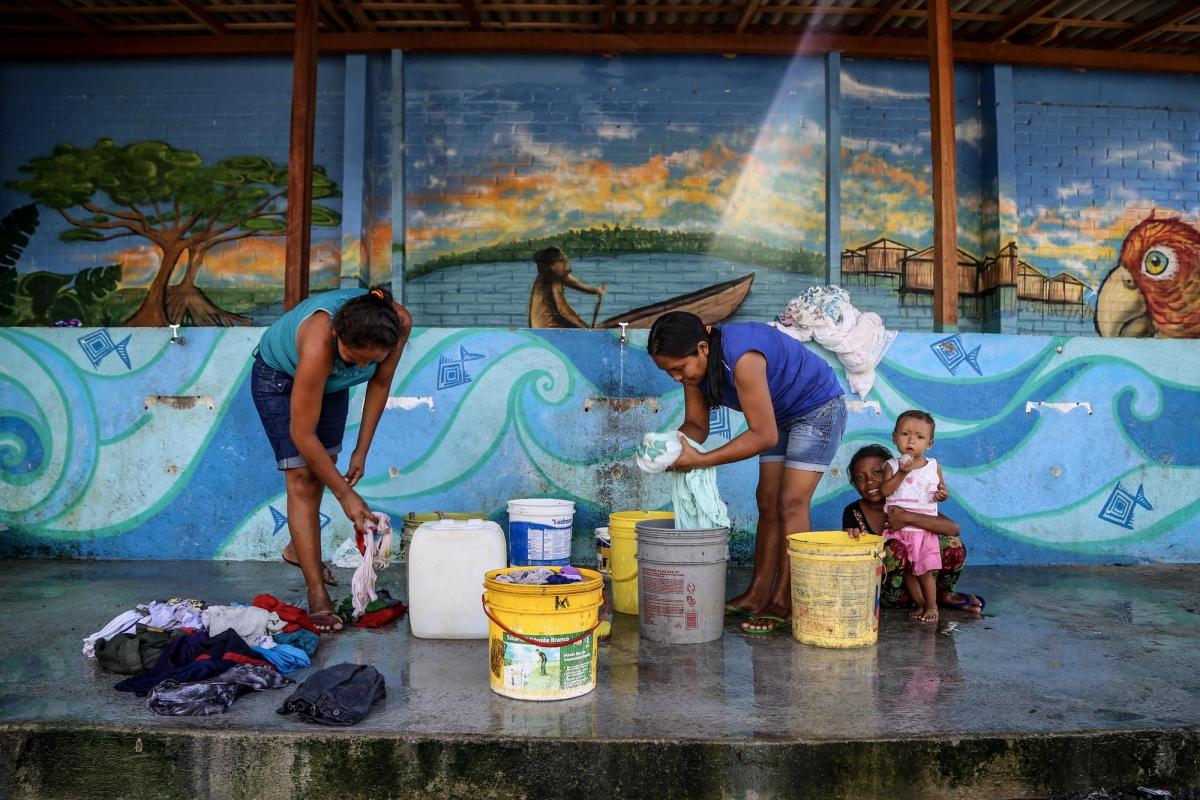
point(325, 565)
point(329, 623)
point(730, 608)
point(966, 603)
point(779, 624)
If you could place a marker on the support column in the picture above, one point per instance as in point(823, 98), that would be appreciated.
point(399, 238)
point(300, 154)
point(833, 167)
point(1000, 187)
point(945, 212)
point(355, 263)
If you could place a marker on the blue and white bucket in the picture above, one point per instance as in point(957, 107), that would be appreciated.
point(539, 532)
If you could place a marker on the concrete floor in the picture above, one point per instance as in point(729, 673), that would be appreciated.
point(1060, 650)
point(1074, 648)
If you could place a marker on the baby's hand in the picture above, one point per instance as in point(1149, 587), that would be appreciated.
point(905, 462)
point(853, 533)
point(942, 493)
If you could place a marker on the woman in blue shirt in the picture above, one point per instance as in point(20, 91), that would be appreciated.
point(795, 416)
point(303, 369)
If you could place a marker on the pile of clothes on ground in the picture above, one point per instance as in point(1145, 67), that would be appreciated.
point(189, 659)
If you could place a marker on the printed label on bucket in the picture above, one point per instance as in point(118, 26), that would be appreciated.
point(668, 597)
point(532, 543)
point(537, 670)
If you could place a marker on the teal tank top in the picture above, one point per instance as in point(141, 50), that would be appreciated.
point(278, 344)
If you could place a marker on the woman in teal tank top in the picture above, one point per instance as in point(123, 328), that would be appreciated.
point(303, 369)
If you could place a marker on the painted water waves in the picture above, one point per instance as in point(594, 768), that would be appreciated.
point(115, 443)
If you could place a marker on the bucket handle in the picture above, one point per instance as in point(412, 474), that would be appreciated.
point(626, 579)
point(599, 618)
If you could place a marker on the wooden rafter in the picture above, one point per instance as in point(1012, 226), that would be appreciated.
point(69, 16)
point(360, 17)
point(486, 41)
point(748, 12)
point(206, 19)
point(334, 16)
point(472, 11)
point(1181, 11)
point(1031, 13)
point(876, 23)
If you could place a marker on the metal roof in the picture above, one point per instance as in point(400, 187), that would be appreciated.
point(1141, 34)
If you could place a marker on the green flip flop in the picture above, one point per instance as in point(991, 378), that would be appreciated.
point(730, 608)
point(779, 624)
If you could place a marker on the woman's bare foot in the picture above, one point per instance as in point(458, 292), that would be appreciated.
point(289, 555)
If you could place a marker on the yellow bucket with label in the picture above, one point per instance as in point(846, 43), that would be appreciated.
point(541, 638)
point(623, 557)
point(835, 588)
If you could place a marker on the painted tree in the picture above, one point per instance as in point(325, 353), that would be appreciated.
point(173, 199)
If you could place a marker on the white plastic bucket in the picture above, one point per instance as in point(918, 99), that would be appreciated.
point(681, 582)
point(539, 532)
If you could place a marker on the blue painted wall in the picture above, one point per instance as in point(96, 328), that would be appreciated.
point(92, 466)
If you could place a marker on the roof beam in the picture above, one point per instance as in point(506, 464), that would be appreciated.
point(334, 16)
point(610, 15)
point(29, 47)
point(360, 17)
point(1181, 11)
point(68, 16)
point(1034, 10)
point(876, 23)
point(472, 11)
point(203, 17)
point(747, 14)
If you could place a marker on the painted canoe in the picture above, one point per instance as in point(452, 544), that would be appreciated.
point(712, 304)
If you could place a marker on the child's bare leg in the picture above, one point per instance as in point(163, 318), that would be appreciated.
point(916, 593)
point(929, 611)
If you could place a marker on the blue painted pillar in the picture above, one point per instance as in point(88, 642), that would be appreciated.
point(833, 167)
point(399, 248)
point(354, 272)
point(1000, 196)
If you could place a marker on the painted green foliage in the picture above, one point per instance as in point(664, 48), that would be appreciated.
point(172, 198)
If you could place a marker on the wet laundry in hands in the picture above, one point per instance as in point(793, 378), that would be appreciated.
point(694, 495)
point(376, 555)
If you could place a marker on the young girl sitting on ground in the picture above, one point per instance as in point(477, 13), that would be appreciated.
point(914, 482)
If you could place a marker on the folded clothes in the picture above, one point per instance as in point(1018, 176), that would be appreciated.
point(214, 695)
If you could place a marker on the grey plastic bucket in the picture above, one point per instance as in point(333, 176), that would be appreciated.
point(681, 582)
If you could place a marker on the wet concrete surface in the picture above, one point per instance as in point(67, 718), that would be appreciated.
point(1060, 649)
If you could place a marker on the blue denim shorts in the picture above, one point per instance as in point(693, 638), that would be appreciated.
point(272, 392)
point(810, 441)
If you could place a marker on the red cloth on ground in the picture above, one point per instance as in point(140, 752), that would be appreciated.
point(377, 619)
point(295, 617)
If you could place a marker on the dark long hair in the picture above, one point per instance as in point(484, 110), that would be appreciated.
point(369, 320)
point(676, 334)
point(547, 258)
point(869, 451)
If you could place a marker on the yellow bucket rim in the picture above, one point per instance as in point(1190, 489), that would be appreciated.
point(626, 520)
point(834, 540)
point(592, 581)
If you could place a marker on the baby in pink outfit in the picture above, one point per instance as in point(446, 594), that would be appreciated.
point(914, 482)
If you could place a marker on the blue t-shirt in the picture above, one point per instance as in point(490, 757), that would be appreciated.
point(278, 344)
point(799, 380)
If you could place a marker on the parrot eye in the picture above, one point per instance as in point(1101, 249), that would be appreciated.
point(1159, 263)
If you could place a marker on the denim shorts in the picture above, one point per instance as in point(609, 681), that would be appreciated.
point(272, 392)
point(810, 441)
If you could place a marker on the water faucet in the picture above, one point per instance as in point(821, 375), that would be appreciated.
point(624, 332)
point(175, 337)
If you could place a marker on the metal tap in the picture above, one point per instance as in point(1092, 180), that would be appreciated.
point(175, 337)
point(624, 332)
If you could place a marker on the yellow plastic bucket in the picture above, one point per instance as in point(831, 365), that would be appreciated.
point(541, 639)
point(623, 557)
point(835, 588)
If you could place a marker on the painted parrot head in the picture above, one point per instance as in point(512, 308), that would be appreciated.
point(1155, 288)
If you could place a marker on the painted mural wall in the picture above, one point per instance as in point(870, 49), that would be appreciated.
point(115, 443)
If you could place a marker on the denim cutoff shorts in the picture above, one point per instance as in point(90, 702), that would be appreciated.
point(810, 441)
point(272, 392)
